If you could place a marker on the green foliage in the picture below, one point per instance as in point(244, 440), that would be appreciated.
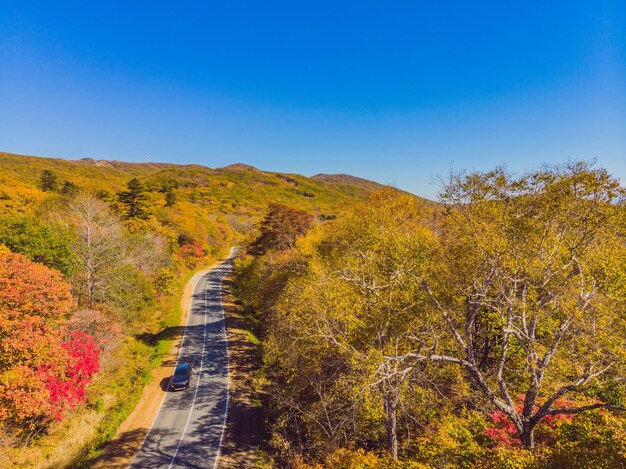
point(593, 439)
point(48, 181)
point(69, 189)
point(170, 197)
point(133, 201)
point(39, 242)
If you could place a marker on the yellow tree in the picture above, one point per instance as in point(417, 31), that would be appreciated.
point(528, 287)
point(348, 311)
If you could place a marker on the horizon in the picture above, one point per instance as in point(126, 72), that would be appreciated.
point(398, 94)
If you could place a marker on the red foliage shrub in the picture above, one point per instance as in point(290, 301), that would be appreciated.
point(70, 388)
point(503, 431)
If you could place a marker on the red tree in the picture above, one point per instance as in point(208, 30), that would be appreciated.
point(41, 373)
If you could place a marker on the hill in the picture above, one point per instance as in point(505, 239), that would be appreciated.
point(347, 179)
point(238, 191)
point(126, 269)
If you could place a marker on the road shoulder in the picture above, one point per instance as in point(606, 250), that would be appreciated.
point(245, 438)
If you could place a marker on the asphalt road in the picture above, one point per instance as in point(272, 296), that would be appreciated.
point(188, 429)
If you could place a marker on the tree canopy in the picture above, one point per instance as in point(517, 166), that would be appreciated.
point(280, 228)
point(42, 372)
point(505, 314)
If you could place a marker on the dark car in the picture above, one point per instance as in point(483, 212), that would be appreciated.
point(181, 377)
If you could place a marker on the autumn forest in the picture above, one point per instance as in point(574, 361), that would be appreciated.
point(486, 329)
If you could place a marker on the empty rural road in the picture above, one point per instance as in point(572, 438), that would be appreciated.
point(188, 429)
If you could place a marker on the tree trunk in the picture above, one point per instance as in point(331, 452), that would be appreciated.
point(527, 437)
point(391, 404)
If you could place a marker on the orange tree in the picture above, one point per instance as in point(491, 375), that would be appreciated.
point(43, 369)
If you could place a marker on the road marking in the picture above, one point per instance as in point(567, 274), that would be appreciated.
point(206, 309)
point(219, 447)
point(206, 291)
point(180, 351)
point(195, 394)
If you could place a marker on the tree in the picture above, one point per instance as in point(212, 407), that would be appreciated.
point(350, 306)
point(69, 189)
point(528, 286)
point(134, 201)
point(170, 196)
point(280, 228)
point(34, 303)
point(48, 181)
point(37, 241)
point(70, 389)
point(98, 246)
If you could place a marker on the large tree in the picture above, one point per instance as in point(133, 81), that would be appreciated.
point(528, 288)
point(48, 181)
point(98, 247)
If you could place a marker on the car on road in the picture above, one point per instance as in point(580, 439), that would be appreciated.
point(181, 377)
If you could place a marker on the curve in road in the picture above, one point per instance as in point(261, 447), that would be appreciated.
point(189, 427)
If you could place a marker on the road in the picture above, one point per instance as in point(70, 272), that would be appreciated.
point(189, 427)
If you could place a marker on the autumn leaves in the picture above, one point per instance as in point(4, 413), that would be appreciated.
point(392, 318)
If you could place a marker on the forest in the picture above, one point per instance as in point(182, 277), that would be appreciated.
point(487, 331)
point(93, 259)
point(484, 330)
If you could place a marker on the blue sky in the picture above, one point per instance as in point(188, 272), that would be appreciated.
point(397, 92)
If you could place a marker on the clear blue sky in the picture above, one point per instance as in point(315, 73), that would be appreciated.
point(397, 92)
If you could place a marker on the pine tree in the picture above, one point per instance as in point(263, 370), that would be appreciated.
point(170, 197)
point(69, 189)
point(134, 201)
point(48, 181)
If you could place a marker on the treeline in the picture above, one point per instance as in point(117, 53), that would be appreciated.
point(89, 281)
point(492, 335)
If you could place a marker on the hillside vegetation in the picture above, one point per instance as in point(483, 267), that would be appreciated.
point(119, 240)
point(491, 336)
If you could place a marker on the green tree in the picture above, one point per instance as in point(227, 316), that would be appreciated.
point(69, 189)
point(134, 201)
point(170, 196)
point(48, 181)
point(37, 241)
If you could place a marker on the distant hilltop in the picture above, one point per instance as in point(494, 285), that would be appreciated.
point(240, 167)
point(348, 179)
point(235, 188)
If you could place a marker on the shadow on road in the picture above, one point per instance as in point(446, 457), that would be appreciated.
point(246, 430)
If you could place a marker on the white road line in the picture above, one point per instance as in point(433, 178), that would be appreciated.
point(195, 394)
point(219, 447)
point(180, 351)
